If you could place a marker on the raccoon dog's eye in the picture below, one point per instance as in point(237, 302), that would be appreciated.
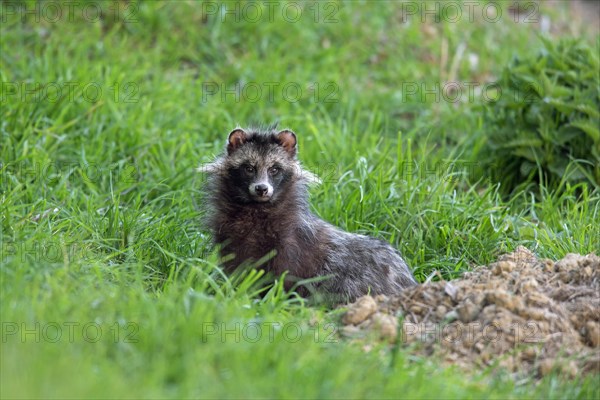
point(273, 171)
point(249, 169)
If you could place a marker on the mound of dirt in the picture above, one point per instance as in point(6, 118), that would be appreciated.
point(520, 313)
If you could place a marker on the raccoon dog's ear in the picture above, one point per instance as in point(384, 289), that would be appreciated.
point(287, 139)
point(237, 137)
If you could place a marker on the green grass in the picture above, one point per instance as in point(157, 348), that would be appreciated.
point(100, 200)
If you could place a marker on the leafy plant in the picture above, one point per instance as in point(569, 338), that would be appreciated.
point(543, 126)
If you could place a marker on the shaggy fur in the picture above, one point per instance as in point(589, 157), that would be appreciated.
point(259, 213)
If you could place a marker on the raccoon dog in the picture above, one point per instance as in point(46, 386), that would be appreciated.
point(258, 198)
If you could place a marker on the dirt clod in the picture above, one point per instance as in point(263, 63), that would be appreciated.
point(361, 310)
point(524, 314)
point(386, 325)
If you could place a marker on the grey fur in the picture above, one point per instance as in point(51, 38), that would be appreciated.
point(248, 228)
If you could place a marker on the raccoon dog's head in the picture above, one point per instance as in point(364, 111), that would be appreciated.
point(259, 167)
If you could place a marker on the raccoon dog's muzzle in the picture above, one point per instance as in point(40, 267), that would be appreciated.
point(261, 190)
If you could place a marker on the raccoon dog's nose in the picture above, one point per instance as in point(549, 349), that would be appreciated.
point(261, 189)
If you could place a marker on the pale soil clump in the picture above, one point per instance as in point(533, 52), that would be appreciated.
point(520, 313)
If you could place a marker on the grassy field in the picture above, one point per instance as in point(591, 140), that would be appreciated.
point(109, 287)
